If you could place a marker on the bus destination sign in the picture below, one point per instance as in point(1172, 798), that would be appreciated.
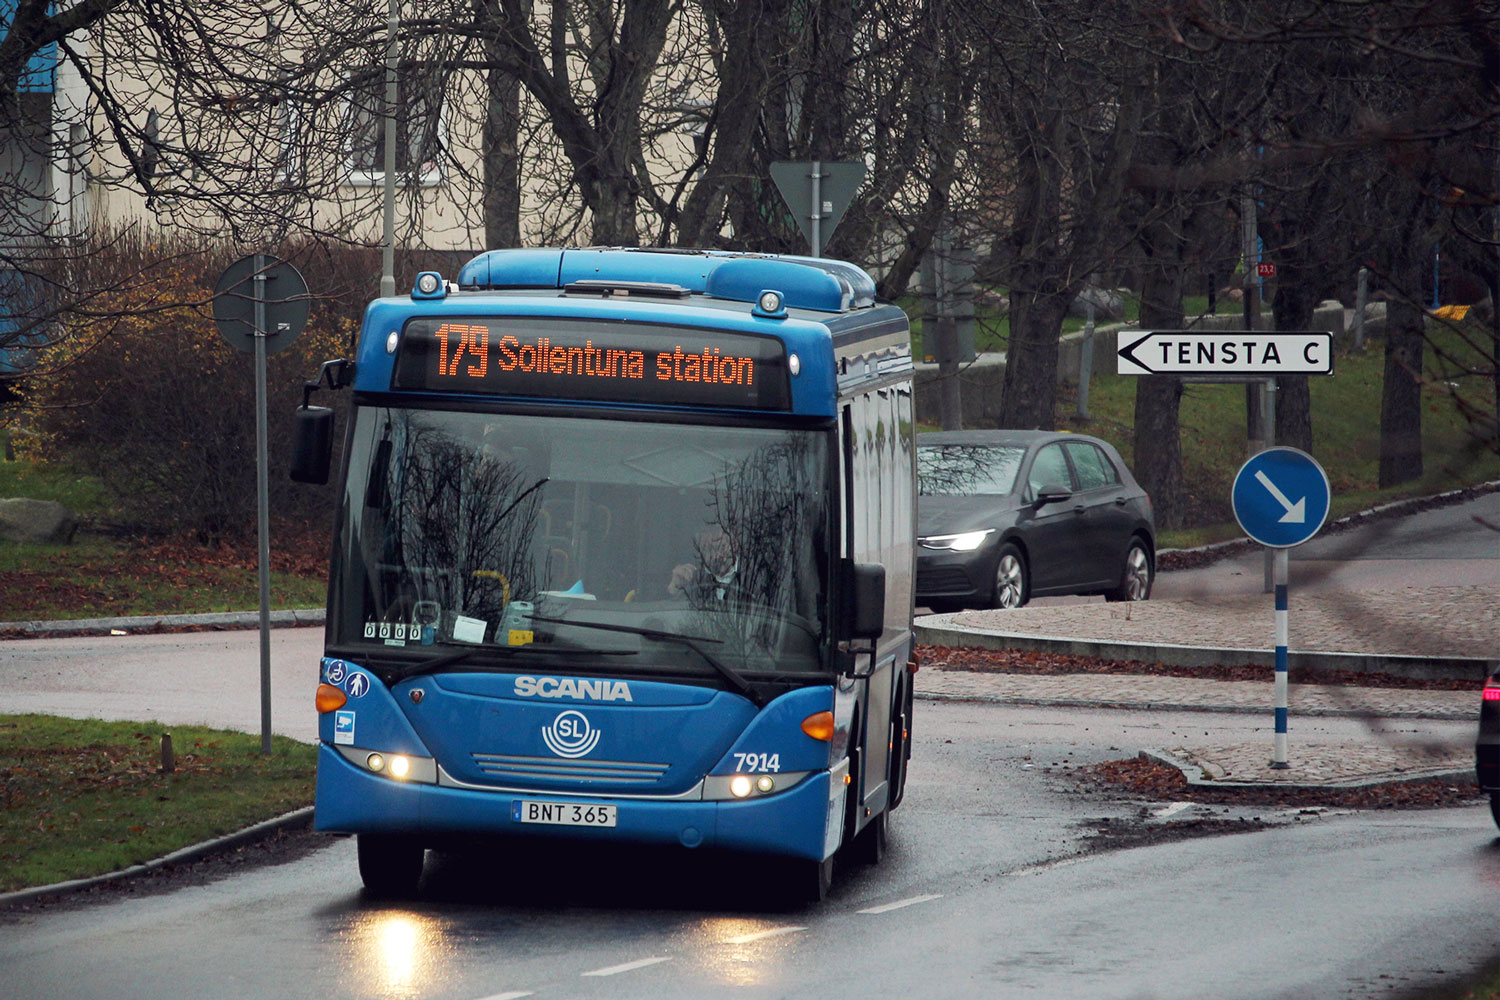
point(611, 362)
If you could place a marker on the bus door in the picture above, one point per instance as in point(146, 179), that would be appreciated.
point(868, 450)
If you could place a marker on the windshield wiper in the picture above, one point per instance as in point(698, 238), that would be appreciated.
point(690, 641)
point(456, 656)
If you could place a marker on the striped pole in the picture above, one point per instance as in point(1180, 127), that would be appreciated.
point(1279, 761)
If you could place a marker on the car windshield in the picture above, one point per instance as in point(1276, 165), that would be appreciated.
point(961, 470)
point(521, 535)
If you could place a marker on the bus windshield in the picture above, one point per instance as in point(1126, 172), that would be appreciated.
point(625, 546)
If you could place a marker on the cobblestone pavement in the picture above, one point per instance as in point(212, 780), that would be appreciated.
point(1240, 764)
point(1427, 621)
point(1439, 621)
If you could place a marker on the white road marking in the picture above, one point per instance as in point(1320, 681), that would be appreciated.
point(512, 995)
point(1171, 810)
point(761, 935)
point(615, 970)
point(900, 903)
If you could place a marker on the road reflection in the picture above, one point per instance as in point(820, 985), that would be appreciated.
point(395, 954)
point(738, 951)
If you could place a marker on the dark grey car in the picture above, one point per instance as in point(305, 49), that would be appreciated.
point(1005, 516)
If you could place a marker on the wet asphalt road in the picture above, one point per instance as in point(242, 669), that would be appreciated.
point(988, 890)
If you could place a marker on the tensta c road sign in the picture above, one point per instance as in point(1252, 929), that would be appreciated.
point(1281, 497)
point(1224, 353)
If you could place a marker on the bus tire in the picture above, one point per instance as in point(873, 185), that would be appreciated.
point(900, 746)
point(389, 865)
point(812, 879)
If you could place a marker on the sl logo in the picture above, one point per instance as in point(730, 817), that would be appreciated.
point(570, 735)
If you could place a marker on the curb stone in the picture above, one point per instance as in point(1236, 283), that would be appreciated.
point(209, 620)
point(1196, 777)
point(297, 819)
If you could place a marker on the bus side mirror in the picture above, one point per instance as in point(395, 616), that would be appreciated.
point(312, 444)
point(864, 600)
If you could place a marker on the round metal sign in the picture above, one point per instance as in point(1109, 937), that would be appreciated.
point(1281, 497)
point(260, 284)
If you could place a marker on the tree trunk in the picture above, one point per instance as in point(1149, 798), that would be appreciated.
point(1158, 398)
point(1294, 309)
point(1401, 395)
point(1029, 397)
point(501, 197)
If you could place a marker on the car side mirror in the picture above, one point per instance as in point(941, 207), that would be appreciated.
point(863, 609)
point(1052, 493)
point(312, 444)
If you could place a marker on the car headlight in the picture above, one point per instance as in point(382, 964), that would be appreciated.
point(966, 542)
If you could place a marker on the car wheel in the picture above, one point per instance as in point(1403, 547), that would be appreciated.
point(1135, 577)
point(1495, 807)
point(1011, 585)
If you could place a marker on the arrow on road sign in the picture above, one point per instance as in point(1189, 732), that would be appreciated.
point(1296, 513)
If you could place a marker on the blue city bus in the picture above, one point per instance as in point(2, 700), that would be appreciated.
point(624, 554)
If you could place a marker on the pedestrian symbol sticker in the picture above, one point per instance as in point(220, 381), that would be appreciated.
point(356, 684)
point(343, 727)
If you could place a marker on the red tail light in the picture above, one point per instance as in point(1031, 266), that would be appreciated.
point(1492, 689)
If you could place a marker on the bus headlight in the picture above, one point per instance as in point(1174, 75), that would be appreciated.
point(735, 787)
point(403, 767)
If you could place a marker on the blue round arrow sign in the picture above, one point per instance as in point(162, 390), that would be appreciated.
point(1281, 497)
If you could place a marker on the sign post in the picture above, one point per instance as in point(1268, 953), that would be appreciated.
point(1281, 498)
point(260, 306)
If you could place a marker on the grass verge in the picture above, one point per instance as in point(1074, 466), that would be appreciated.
point(85, 797)
point(103, 578)
point(1346, 434)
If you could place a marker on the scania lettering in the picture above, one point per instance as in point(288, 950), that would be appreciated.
point(624, 555)
point(572, 687)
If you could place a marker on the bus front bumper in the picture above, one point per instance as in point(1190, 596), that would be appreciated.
point(793, 823)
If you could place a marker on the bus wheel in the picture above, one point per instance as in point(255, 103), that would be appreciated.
point(900, 749)
point(389, 866)
point(811, 880)
point(869, 845)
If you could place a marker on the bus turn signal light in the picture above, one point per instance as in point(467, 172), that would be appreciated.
point(819, 726)
point(330, 698)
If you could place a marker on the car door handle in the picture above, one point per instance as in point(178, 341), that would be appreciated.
point(1119, 501)
point(1079, 508)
